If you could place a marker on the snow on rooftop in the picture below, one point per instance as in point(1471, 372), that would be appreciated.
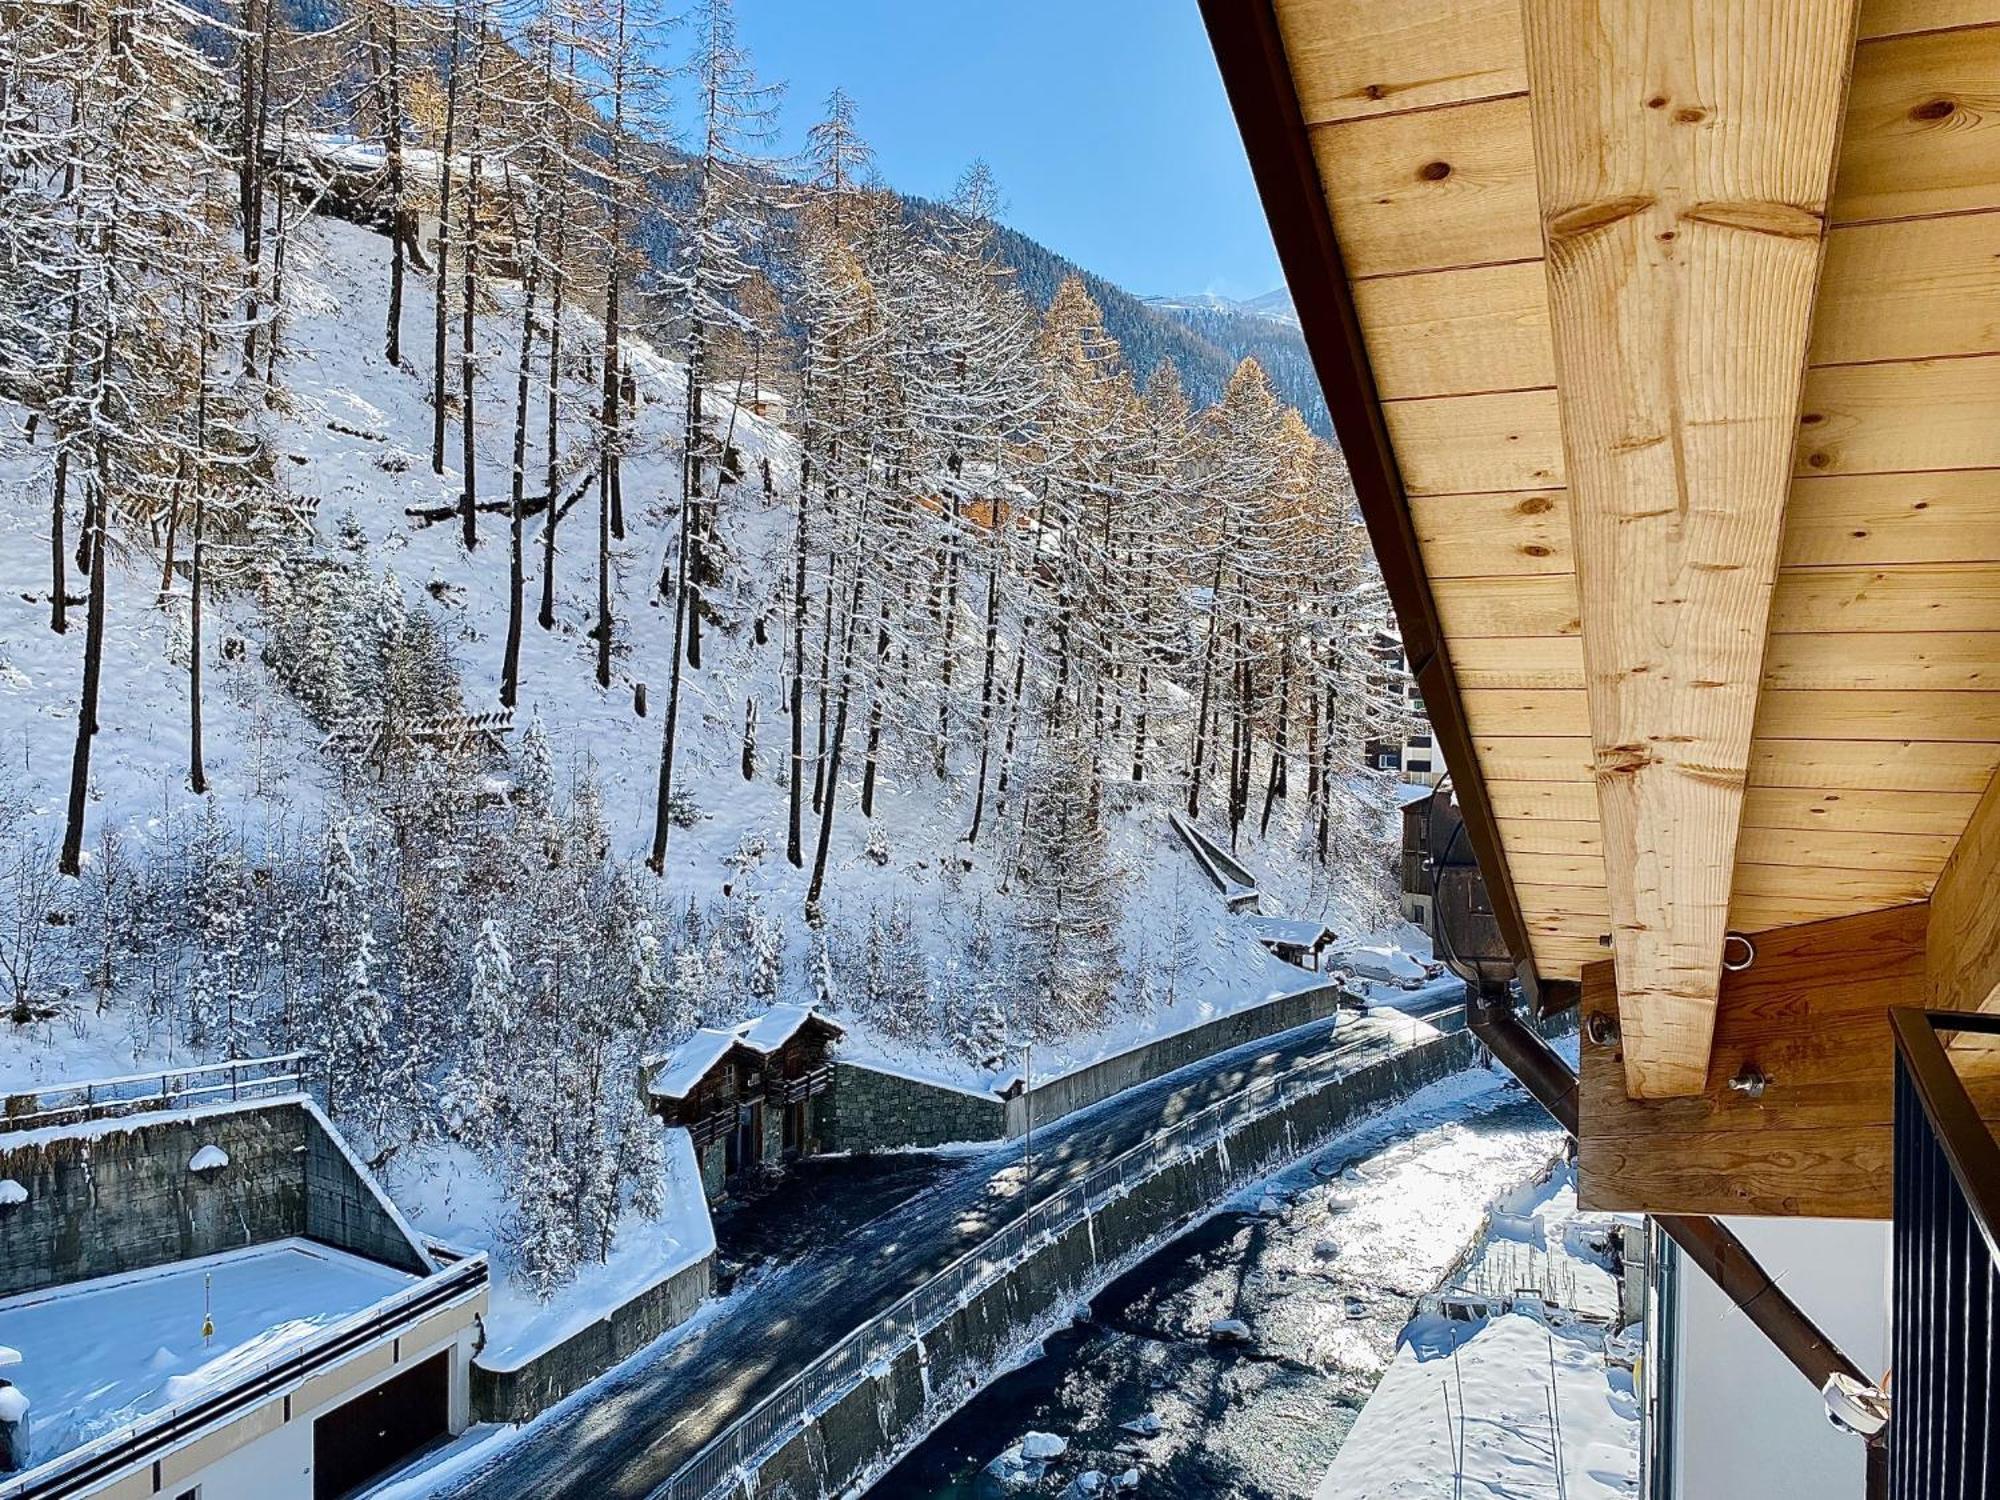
point(99, 1355)
point(691, 1062)
point(1301, 931)
point(775, 1027)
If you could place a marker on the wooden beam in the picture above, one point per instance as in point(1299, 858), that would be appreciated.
point(1962, 958)
point(1811, 1016)
point(1685, 153)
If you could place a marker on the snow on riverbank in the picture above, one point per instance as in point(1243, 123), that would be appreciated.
point(1526, 1398)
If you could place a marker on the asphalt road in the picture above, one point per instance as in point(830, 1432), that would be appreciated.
point(622, 1436)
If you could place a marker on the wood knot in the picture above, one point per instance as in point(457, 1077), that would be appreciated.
point(1690, 116)
point(1784, 220)
point(1933, 109)
point(1535, 505)
point(1588, 218)
point(1434, 171)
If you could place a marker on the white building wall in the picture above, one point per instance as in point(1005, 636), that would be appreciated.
point(1745, 1424)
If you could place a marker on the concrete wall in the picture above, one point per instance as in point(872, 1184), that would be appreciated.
point(866, 1110)
point(114, 1197)
point(514, 1395)
point(1087, 1086)
point(889, 1410)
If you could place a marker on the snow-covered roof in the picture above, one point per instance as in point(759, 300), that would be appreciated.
point(1408, 793)
point(691, 1062)
point(103, 1353)
point(775, 1027)
point(686, 1066)
point(1302, 932)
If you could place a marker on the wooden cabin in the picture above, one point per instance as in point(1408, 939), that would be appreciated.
point(1299, 941)
point(744, 1093)
point(1662, 338)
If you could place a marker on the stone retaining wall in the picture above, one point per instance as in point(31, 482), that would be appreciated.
point(868, 1426)
point(868, 1110)
point(515, 1395)
point(110, 1197)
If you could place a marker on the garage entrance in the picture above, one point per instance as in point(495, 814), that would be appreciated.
point(381, 1428)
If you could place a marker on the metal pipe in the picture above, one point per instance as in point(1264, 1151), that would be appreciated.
point(1710, 1244)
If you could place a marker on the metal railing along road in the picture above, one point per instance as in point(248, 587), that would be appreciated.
point(170, 1088)
point(761, 1430)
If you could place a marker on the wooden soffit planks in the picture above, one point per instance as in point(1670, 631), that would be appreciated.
point(1811, 1016)
point(1684, 153)
point(1962, 967)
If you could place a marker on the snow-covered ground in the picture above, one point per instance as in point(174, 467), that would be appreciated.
point(98, 1355)
point(455, 1198)
point(1533, 1398)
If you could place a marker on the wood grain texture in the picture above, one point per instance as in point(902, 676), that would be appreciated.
point(1811, 1015)
point(1908, 764)
point(1962, 967)
point(1481, 536)
point(1949, 661)
point(1865, 811)
point(1884, 18)
point(1431, 190)
point(1903, 418)
point(1536, 661)
point(1451, 333)
point(1923, 127)
point(1355, 58)
point(1972, 718)
point(1684, 152)
point(1910, 289)
point(1868, 519)
point(1908, 597)
point(1468, 445)
point(1545, 604)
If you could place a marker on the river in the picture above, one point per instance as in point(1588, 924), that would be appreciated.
point(1319, 1266)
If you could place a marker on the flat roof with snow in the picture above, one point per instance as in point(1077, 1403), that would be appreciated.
point(99, 1355)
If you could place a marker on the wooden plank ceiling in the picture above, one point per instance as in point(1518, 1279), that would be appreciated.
point(1876, 718)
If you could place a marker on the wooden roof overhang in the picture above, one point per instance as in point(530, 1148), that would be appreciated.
point(1663, 340)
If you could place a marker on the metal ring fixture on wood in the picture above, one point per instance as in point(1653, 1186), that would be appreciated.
point(1745, 946)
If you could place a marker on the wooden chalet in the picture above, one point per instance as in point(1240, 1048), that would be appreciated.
point(744, 1093)
point(1662, 338)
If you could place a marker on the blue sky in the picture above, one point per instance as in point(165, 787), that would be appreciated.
point(1104, 121)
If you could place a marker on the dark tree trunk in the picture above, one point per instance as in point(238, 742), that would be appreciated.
point(468, 499)
point(875, 714)
point(551, 437)
point(441, 320)
point(510, 667)
point(986, 696)
point(197, 772)
point(795, 793)
point(1207, 692)
point(71, 861)
point(657, 861)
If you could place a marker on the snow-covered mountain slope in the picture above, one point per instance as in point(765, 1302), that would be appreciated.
point(910, 909)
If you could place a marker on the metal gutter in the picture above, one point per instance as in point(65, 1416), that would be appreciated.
point(1250, 51)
